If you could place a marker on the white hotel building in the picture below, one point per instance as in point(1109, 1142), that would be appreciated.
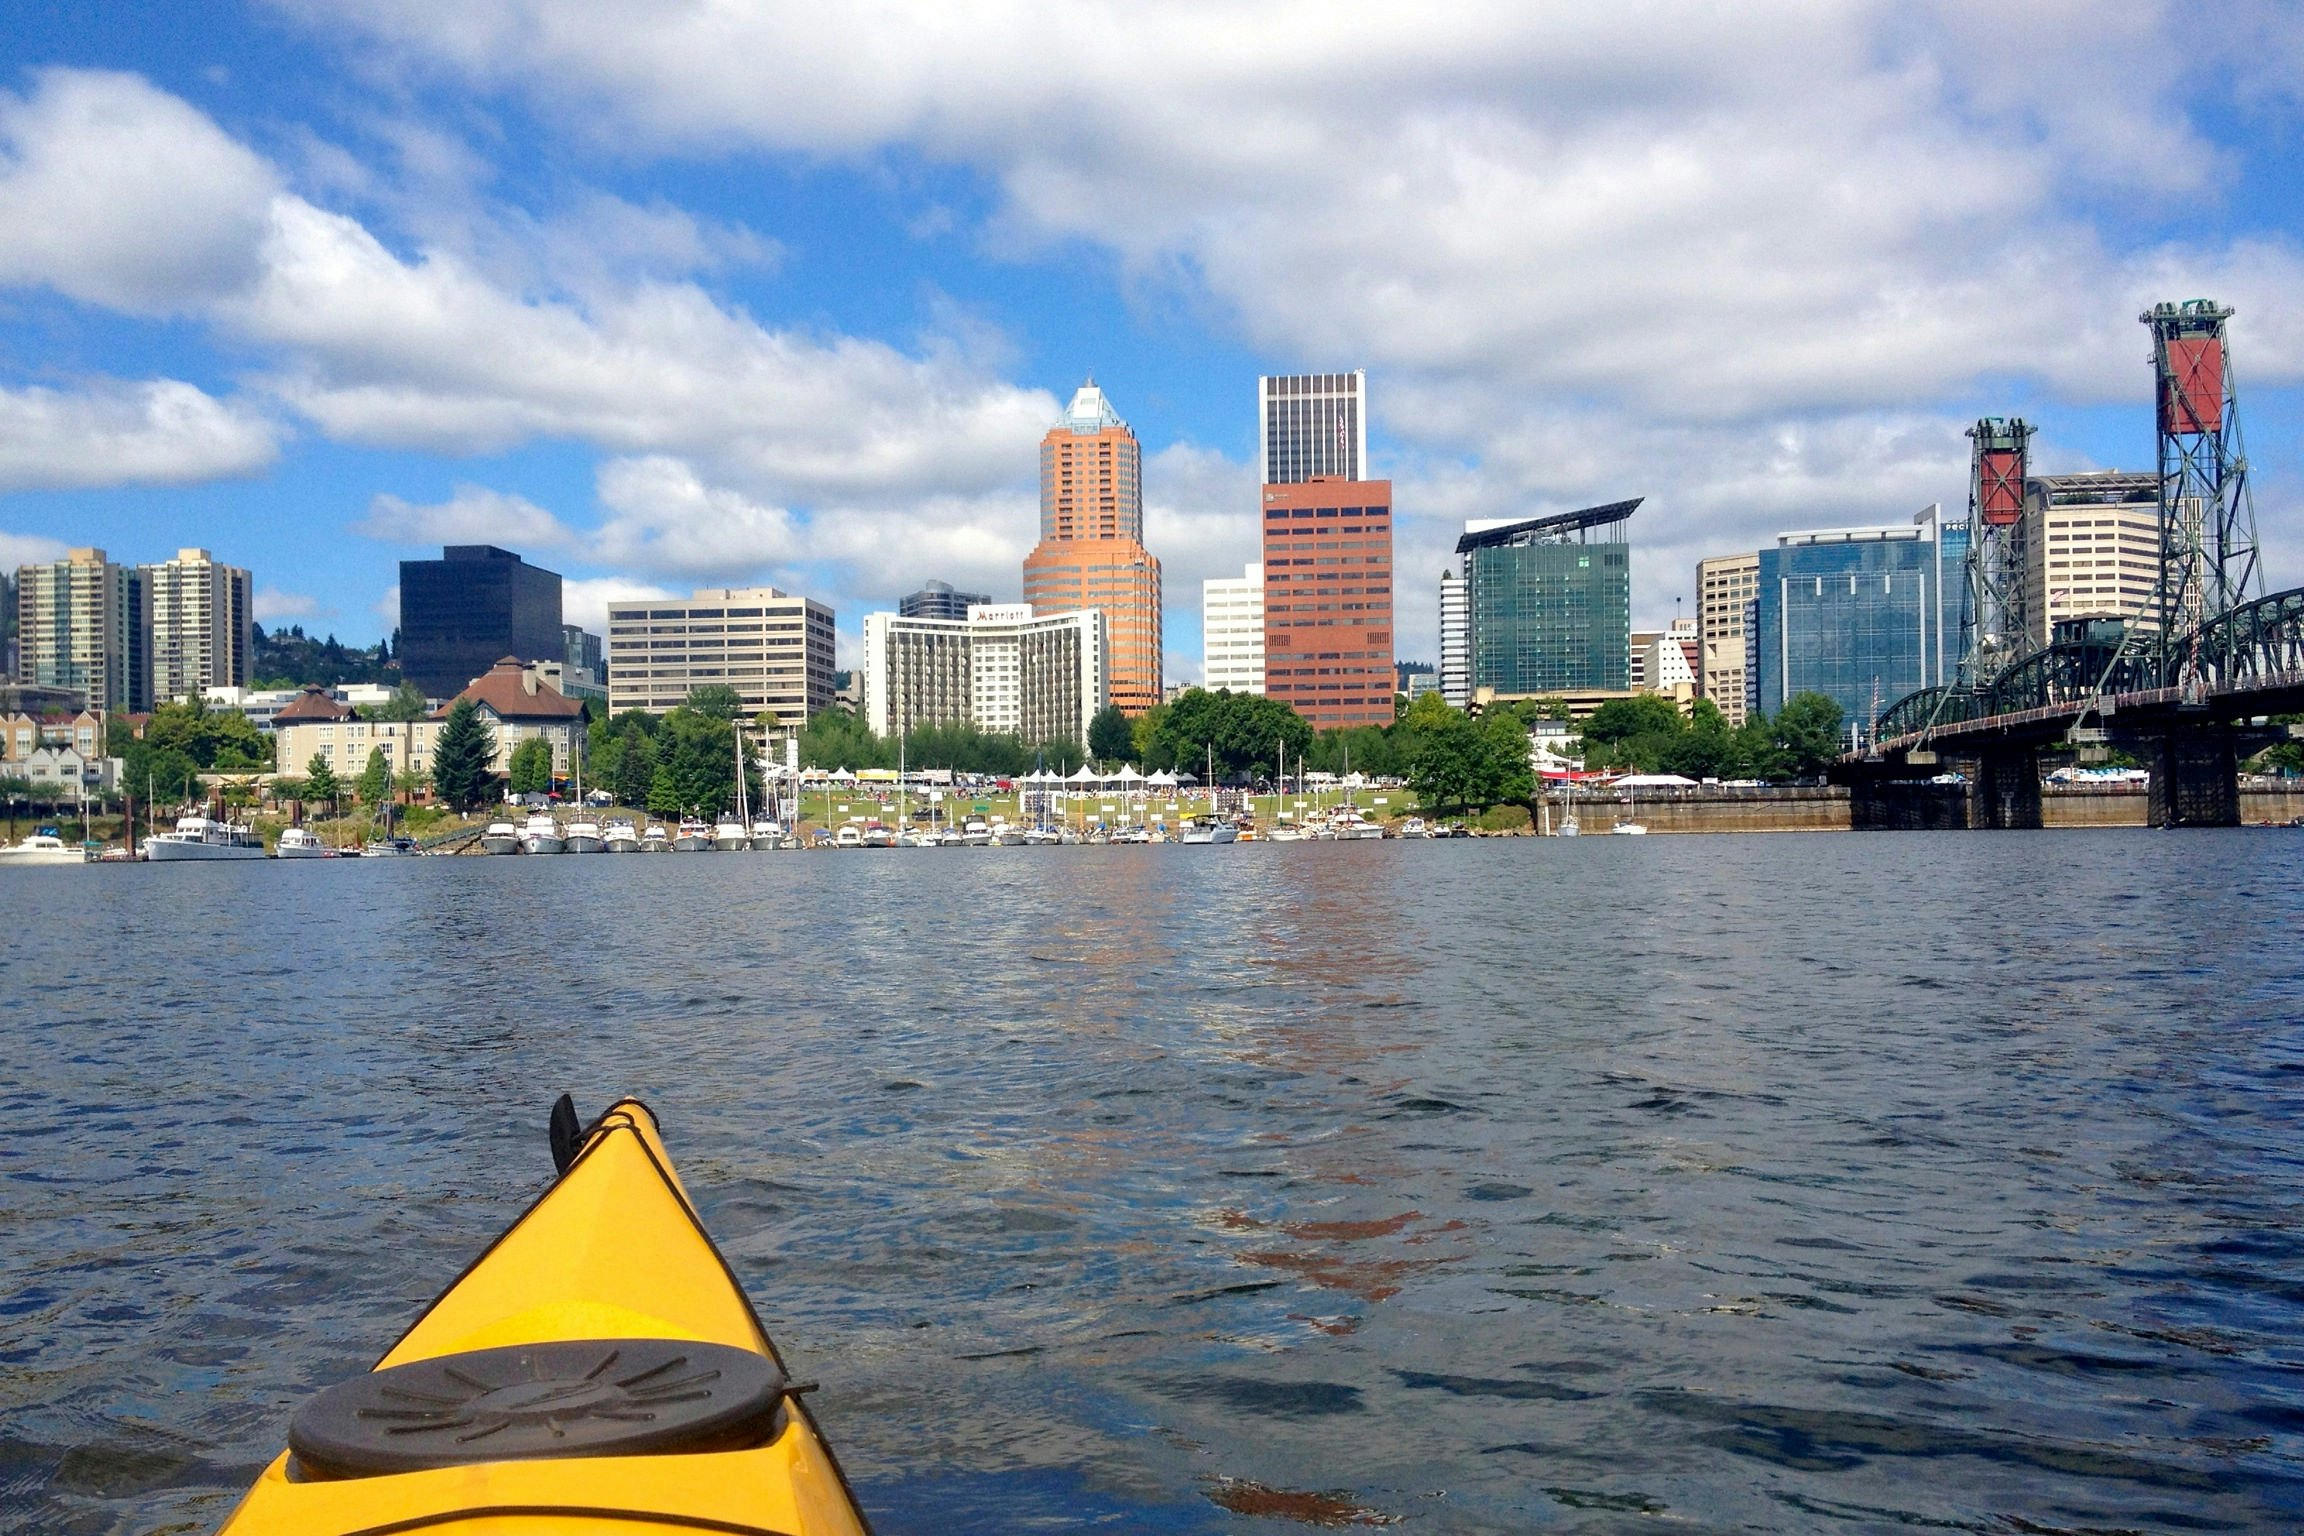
point(1001, 668)
point(1232, 632)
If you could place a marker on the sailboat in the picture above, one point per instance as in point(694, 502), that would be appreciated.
point(1630, 825)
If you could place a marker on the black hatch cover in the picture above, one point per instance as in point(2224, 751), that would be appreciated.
point(586, 1397)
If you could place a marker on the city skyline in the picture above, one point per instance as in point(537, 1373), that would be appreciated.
point(322, 292)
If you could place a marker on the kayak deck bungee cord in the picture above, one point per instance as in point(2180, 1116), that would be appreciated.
point(598, 1369)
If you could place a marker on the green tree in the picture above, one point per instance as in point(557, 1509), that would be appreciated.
point(463, 756)
point(1111, 738)
point(321, 786)
point(223, 740)
point(715, 701)
point(530, 771)
point(1507, 776)
point(375, 778)
point(1808, 732)
point(663, 793)
point(407, 703)
point(634, 768)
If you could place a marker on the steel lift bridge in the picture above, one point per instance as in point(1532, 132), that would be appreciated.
point(2185, 686)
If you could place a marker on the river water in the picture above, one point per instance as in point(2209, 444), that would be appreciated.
point(1831, 1183)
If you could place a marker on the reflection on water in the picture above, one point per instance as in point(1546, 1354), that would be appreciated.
point(1744, 1183)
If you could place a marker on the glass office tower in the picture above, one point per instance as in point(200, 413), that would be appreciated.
point(1550, 603)
point(471, 608)
point(1860, 615)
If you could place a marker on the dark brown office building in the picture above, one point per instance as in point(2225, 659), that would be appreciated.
point(1328, 599)
point(476, 604)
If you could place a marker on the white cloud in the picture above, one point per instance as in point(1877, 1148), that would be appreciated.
point(274, 606)
point(584, 601)
point(662, 517)
point(117, 193)
point(27, 549)
point(388, 608)
point(161, 432)
point(472, 515)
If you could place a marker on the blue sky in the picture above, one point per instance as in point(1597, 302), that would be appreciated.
point(669, 296)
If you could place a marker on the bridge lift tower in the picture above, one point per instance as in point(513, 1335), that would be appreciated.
point(1999, 628)
point(2207, 518)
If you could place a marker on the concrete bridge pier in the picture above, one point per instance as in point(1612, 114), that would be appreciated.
point(2005, 789)
point(1877, 803)
point(2195, 777)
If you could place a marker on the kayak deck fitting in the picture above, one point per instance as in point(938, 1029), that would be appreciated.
point(598, 1369)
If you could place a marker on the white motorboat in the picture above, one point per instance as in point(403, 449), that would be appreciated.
point(848, 835)
point(655, 839)
point(917, 837)
point(693, 837)
point(1209, 829)
point(977, 833)
point(301, 843)
point(42, 847)
point(1042, 837)
point(1415, 826)
point(501, 837)
point(1569, 828)
point(767, 836)
point(197, 837)
point(1628, 829)
point(541, 834)
point(879, 835)
point(1350, 824)
point(951, 837)
point(1285, 832)
point(391, 848)
point(620, 838)
point(1007, 836)
point(586, 837)
point(730, 836)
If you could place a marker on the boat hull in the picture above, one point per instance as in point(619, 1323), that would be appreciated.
point(537, 842)
point(26, 858)
point(161, 851)
point(587, 845)
point(508, 843)
point(696, 843)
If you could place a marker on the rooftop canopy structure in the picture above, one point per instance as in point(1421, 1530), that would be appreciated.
point(1548, 530)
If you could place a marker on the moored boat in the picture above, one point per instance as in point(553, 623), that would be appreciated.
point(655, 839)
point(390, 848)
point(1415, 826)
point(501, 837)
point(43, 847)
point(586, 837)
point(199, 838)
point(597, 1368)
point(878, 834)
point(541, 834)
point(731, 836)
point(977, 832)
point(620, 838)
point(693, 837)
point(767, 836)
point(1209, 829)
point(301, 843)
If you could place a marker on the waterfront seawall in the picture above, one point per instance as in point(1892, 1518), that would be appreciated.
point(1827, 809)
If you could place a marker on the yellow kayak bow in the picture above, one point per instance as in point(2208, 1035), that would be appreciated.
point(597, 1370)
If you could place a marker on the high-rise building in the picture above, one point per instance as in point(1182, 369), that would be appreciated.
point(1863, 616)
point(1091, 552)
point(8, 657)
point(1663, 661)
point(1311, 424)
point(1724, 584)
point(1549, 602)
point(1455, 640)
point(938, 600)
point(775, 650)
point(2090, 548)
point(203, 625)
point(1328, 600)
point(1410, 679)
point(467, 610)
point(1232, 632)
point(82, 625)
point(1003, 668)
point(1327, 551)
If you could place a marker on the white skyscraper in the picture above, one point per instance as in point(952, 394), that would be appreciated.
point(1232, 631)
point(1001, 668)
point(1455, 640)
point(203, 625)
